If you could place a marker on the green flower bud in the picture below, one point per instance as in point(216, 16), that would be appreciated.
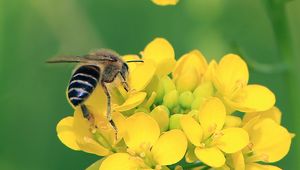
point(171, 99)
point(152, 86)
point(168, 84)
point(175, 121)
point(194, 113)
point(161, 115)
point(185, 99)
point(142, 109)
point(197, 103)
point(160, 91)
point(205, 89)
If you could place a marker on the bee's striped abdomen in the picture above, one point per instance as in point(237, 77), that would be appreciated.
point(83, 82)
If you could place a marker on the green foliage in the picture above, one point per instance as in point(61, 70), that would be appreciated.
point(32, 93)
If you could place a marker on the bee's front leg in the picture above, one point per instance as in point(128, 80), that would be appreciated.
point(124, 82)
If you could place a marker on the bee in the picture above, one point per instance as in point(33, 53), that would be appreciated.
point(96, 68)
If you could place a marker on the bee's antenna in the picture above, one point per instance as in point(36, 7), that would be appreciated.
point(135, 61)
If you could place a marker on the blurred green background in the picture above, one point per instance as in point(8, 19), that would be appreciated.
point(32, 93)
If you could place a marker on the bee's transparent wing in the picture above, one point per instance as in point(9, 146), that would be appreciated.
point(67, 59)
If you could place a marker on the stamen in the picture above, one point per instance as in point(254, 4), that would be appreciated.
point(212, 128)
point(143, 154)
point(217, 135)
point(158, 167)
point(94, 130)
point(131, 151)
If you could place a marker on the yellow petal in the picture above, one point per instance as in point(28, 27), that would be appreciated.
point(231, 72)
point(165, 2)
point(107, 131)
point(211, 156)
point(142, 131)
point(232, 140)
point(84, 137)
point(238, 161)
point(131, 65)
point(273, 113)
point(95, 165)
point(119, 161)
point(137, 79)
point(209, 75)
point(190, 156)
point(161, 52)
point(170, 147)
point(132, 101)
point(89, 145)
point(192, 129)
point(194, 59)
point(188, 80)
point(212, 116)
point(253, 98)
point(66, 133)
point(161, 115)
point(189, 70)
point(97, 100)
point(270, 140)
point(232, 121)
point(256, 166)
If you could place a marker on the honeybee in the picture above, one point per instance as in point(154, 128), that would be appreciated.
point(96, 68)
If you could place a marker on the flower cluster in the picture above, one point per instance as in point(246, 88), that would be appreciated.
point(165, 2)
point(185, 113)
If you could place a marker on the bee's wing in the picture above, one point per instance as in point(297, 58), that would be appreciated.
point(67, 59)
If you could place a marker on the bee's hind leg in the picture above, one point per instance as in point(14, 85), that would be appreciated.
point(86, 114)
point(108, 110)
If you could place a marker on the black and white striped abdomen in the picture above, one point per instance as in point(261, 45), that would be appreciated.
point(83, 82)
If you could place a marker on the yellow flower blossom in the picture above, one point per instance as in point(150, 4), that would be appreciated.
point(269, 141)
point(165, 2)
point(231, 80)
point(189, 71)
point(147, 149)
point(171, 101)
point(77, 133)
point(209, 137)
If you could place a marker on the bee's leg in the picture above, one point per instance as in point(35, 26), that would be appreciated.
point(124, 82)
point(108, 110)
point(87, 114)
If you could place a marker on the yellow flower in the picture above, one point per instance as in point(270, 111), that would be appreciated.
point(77, 133)
point(231, 80)
point(165, 2)
point(171, 101)
point(147, 149)
point(189, 71)
point(269, 141)
point(209, 137)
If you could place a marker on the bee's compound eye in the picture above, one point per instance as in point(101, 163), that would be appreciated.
point(125, 66)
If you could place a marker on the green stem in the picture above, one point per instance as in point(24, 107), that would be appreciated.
point(277, 14)
point(186, 165)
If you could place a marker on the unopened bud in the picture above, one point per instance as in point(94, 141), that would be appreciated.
point(205, 89)
point(171, 99)
point(188, 80)
point(161, 115)
point(197, 103)
point(175, 121)
point(185, 99)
